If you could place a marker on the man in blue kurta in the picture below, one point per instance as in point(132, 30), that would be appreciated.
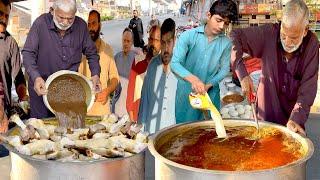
point(55, 42)
point(201, 59)
point(159, 86)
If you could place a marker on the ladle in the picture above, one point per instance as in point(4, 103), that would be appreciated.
point(252, 101)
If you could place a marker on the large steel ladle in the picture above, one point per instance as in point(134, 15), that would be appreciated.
point(252, 101)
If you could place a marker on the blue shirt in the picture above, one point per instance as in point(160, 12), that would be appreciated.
point(157, 107)
point(124, 63)
point(209, 61)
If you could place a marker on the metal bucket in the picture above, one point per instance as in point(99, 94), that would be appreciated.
point(85, 82)
point(25, 167)
point(166, 169)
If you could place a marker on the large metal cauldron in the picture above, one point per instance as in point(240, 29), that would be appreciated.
point(25, 167)
point(166, 169)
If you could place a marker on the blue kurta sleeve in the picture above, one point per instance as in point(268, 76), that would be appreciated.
point(180, 54)
point(224, 66)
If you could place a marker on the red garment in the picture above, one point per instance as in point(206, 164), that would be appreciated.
point(133, 103)
point(252, 64)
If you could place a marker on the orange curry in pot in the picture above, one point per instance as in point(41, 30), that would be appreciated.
point(243, 150)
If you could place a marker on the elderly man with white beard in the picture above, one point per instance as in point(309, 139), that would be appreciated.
point(289, 53)
point(56, 41)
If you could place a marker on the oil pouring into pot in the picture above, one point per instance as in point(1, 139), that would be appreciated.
point(203, 102)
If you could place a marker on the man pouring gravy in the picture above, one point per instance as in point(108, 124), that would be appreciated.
point(56, 41)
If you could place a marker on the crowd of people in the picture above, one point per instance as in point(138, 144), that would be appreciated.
point(151, 82)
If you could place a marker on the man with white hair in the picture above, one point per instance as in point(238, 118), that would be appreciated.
point(123, 60)
point(290, 61)
point(56, 41)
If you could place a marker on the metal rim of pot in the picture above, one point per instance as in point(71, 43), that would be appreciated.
point(308, 143)
point(83, 80)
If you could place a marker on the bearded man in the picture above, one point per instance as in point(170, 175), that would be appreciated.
point(137, 73)
point(109, 73)
point(156, 109)
point(289, 54)
point(56, 41)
